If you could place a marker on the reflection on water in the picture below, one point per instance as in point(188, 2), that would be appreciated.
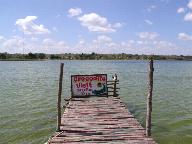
point(28, 93)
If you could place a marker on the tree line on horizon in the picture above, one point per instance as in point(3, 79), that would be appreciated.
point(92, 56)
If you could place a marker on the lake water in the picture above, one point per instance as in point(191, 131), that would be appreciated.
point(28, 94)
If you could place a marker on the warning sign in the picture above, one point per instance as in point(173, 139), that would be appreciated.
point(89, 85)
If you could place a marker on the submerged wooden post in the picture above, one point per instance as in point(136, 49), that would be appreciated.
point(149, 98)
point(59, 98)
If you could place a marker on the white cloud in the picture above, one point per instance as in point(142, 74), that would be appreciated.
point(148, 22)
point(117, 25)
point(28, 26)
point(190, 4)
point(188, 17)
point(61, 43)
point(15, 41)
point(101, 44)
point(48, 41)
point(181, 10)
point(130, 43)
point(105, 44)
point(51, 46)
point(14, 44)
point(81, 42)
point(143, 46)
point(97, 23)
point(74, 12)
point(53, 43)
point(139, 42)
point(104, 38)
point(2, 38)
point(185, 37)
point(34, 39)
point(151, 8)
point(148, 35)
point(17, 44)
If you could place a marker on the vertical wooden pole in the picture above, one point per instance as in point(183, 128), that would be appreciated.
point(59, 98)
point(149, 98)
point(115, 86)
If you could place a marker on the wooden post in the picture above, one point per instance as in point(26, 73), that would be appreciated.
point(59, 98)
point(149, 98)
point(115, 85)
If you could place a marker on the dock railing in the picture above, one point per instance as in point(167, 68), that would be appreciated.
point(112, 86)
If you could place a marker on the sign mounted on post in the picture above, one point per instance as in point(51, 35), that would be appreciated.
point(89, 85)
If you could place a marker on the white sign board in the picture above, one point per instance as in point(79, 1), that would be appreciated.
point(89, 85)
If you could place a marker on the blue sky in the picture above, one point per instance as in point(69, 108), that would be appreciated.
point(101, 26)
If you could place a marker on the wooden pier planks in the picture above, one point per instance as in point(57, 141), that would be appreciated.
point(99, 120)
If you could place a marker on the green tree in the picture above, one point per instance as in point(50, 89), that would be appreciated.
point(41, 56)
point(55, 57)
point(31, 56)
point(3, 56)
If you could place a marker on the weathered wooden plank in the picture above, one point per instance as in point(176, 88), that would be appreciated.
point(99, 120)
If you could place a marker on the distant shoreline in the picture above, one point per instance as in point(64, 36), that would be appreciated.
point(90, 60)
point(92, 56)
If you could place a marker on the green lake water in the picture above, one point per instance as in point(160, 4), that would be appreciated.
point(28, 94)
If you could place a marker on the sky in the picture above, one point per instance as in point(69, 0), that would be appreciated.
point(100, 26)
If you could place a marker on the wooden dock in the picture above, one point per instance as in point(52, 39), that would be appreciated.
point(99, 120)
point(95, 114)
